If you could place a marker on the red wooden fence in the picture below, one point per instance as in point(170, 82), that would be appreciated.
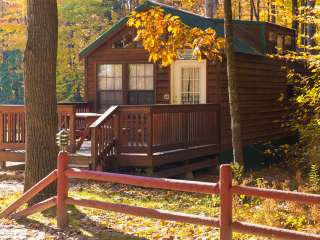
point(224, 188)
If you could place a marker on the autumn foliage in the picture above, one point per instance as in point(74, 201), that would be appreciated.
point(171, 35)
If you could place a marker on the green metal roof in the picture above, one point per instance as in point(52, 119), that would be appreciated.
point(192, 20)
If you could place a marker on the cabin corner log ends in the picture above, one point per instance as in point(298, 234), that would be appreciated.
point(224, 188)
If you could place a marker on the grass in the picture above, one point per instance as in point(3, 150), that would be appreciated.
point(99, 224)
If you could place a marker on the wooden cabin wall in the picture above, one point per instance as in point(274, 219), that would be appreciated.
point(107, 54)
point(261, 82)
point(213, 89)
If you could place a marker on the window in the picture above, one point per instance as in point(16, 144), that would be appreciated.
point(288, 42)
point(141, 84)
point(141, 76)
point(272, 37)
point(109, 78)
point(280, 42)
point(190, 80)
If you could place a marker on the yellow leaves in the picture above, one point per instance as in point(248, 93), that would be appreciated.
point(162, 35)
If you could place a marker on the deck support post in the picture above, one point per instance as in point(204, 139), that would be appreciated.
point(62, 187)
point(225, 185)
point(62, 190)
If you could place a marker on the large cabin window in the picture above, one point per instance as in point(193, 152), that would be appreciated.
point(280, 43)
point(288, 42)
point(141, 89)
point(109, 78)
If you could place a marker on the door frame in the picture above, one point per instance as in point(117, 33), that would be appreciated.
point(175, 86)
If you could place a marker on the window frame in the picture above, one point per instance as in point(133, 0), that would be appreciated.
point(144, 76)
point(125, 80)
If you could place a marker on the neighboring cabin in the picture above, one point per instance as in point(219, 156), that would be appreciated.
point(117, 72)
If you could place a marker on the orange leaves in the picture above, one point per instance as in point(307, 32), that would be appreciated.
point(162, 35)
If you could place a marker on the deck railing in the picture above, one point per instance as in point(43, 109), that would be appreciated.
point(104, 135)
point(224, 188)
point(80, 107)
point(149, 129)
point(13, 129)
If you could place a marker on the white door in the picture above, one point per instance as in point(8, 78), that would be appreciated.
point(188, 82)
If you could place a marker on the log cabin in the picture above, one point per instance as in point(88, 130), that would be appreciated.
point(173, 120)
point(117, 72)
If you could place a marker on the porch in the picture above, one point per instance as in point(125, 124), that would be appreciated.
point(159, 140)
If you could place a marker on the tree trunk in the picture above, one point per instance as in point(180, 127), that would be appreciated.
point(273, 11)
point(232, 85)
point(40, 92)
point(254, 10)
point(311, 28)
point(209, 8)
point(295, 13)
point(303, 33)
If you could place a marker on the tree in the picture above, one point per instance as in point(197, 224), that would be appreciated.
point(211, 7)
point(295, 12)
point(171, 34)
point(232, 85)
point(80, 22)
point(11, 79)
point(311, 27)
point(40, 92)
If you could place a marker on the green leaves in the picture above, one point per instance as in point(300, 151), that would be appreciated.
point(11, 78)
point(80, 22)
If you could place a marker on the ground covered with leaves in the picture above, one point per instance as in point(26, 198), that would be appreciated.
point(86, 223)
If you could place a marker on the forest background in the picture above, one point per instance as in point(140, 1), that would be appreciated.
point(81, 22)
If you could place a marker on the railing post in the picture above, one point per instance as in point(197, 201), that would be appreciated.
point(94, 148)
point(225, 184)
point(72, 126)
point(62, 181)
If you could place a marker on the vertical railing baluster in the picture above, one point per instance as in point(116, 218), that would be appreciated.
point(150, 132)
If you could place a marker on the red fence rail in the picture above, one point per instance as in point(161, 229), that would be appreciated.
point(224, 188)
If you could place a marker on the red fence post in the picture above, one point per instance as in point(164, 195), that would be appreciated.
point(62, 187)
point(225, 184)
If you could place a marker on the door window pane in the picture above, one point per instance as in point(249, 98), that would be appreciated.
point(110, 77)
point(141, 76)
point(190, 89)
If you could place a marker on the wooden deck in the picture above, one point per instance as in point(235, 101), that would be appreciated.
point(160, 140)
point(156, 138)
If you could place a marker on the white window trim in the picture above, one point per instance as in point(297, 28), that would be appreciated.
point(175, 84)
